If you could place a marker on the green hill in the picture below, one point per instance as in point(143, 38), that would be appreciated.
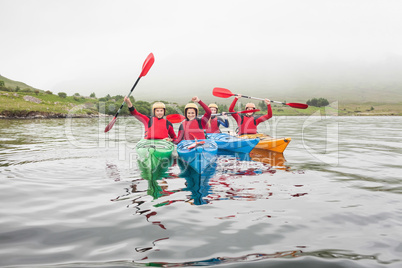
point(11, 84)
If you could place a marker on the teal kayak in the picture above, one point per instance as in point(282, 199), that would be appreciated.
point(154, 153)
point(198, 155)
point(233, 144)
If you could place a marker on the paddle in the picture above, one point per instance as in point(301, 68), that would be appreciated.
point(241, 112)
point(196, 143)
point(177, 118)
point(145, 68)
point(226, 93)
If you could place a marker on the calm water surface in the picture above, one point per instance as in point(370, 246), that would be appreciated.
point(73, 196)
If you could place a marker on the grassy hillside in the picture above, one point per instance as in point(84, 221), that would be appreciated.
point(11, 84)
point(19, 104)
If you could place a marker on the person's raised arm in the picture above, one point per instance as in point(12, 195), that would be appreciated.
point(232, 106)
point(207, 114)
point(266, 116)
point(205, 118)
point(142, 118)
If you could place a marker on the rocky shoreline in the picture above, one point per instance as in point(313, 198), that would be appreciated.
point(44, 115)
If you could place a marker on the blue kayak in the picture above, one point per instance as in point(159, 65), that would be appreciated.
point(202, 155)
point(231, 143)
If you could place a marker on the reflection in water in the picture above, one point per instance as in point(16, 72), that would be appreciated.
point(244, 261)
point(273, 159)
point(259, 161)
point(205, 187)
point(229, 260)
point(112, 172)
point(197, 184)
point(155, 174)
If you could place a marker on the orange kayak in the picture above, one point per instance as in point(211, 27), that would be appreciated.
point(268, 143)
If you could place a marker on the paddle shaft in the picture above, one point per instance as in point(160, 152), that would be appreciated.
point(225, 113)
point(128, 96)
point(254, 98)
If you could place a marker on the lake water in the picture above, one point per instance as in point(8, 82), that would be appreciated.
point(73, 196)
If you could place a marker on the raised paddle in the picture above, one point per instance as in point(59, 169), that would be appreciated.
point(177, 118)
point(145, 68)
point(226, 93)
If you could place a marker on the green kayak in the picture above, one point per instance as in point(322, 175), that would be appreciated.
point(154, 153)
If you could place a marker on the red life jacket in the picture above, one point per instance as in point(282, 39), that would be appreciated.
point(157, 129)
point(247, 125)
point(195, 128)
point(212, 126)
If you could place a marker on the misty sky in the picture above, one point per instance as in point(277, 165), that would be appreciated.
point(99, 46)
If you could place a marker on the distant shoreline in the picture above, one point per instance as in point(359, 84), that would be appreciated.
point(41, 115)
point(23, 105)
point(44, 115)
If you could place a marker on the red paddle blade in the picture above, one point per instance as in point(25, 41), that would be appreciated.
point(149, 61)
point(222, 92)
point(175, 118)
point(110, 125)
point(249, 111)
point(192, 145)
point(298, 105)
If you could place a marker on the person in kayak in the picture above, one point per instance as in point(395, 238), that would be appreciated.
point(248, 123)
point(156, 127)
point(214, 122)
point(193, 127)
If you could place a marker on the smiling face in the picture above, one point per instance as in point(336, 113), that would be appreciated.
point(214, 110)
point(159, 112)
point(249, 108)
point(191, 113)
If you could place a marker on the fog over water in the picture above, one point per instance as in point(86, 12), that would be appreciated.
point(285, 49)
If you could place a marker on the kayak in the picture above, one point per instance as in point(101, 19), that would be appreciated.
point(232, 143)
point(269, 143)
point(154, 153)
point(198, 155)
